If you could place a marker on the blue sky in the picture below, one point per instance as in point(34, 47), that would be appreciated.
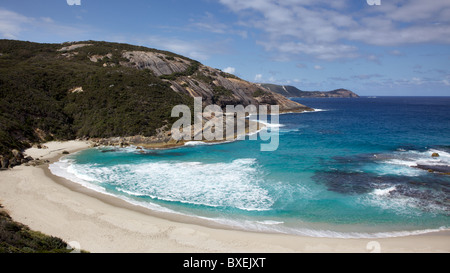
point(401, 47)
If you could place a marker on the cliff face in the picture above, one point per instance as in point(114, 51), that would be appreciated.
point(214, 86)
point(294, 92)
point(106, 90)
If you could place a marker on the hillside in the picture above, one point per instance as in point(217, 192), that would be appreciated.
point(103, 90)
point(294, 92)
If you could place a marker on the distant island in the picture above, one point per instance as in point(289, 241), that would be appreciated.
point(294, 92)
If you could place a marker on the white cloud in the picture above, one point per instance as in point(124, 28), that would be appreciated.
point(258, 77)
point(47, 20)
point(12, 23)
point(328, 30)
point(230, 70)
point(366, 76)
point(74, 2)
point(416, 81)
point(396, 52)
point(209, 23)
point(318, 67)
point(15, 26)
point(195, 49)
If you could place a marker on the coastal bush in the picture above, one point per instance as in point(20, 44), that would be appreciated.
point(188, 72)
point(18, 238)
point(37, 104)
point(259, 92)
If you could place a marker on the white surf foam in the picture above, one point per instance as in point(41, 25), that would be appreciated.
point(404, 162)
point(235, 184)
point(64, 168)
point(384, 192)
point(280, 227)
point(194, 143)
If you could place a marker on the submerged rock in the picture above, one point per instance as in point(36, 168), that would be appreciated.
point(435, 168)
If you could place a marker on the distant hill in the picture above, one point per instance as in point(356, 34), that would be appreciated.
point(294, 92)
point(103, 90)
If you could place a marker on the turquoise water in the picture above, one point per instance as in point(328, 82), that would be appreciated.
point(344, 171)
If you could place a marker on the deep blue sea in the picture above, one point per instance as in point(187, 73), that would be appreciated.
point(346, 170)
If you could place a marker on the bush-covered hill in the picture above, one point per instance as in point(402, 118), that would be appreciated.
point(101, 90)
point(47, 94)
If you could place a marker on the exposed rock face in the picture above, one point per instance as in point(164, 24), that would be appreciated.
point(159, 63)
point(4, 162)
point(103, 78)
point(16, 159)
point(76, 90)
point(214, 86)
point(73, 47)
point(96, 58)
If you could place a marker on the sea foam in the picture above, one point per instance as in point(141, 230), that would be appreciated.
point(232, 185)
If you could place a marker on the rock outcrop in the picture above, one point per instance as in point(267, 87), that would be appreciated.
point(214, 86)
point(15, 158)
point(106, 90)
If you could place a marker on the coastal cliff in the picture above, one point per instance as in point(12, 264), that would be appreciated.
point(294, 92)
point(101, 90)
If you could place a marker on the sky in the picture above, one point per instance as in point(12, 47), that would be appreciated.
point(396, 48)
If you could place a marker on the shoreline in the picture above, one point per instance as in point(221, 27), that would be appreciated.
point(102, 223)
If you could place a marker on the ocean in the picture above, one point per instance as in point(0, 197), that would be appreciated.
point(348, 170)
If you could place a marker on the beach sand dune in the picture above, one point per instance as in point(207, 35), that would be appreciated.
point(99, 223)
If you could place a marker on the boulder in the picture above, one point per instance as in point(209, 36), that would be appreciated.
point(435, 155)
point(17, 154)
point(14, 162)
point(4, 162)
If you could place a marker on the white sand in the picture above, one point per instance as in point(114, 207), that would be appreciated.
point(98, 223)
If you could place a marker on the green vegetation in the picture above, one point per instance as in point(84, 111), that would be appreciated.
point(227, 75)
point(17, 238)
point(36, 102)
point(188, 72)
point(221, 92)
point(203, 78)
point(258, 93)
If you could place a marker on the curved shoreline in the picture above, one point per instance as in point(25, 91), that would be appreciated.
point(153, 209)
point(102, 223)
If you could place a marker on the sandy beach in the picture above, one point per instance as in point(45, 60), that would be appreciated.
point(100, 223)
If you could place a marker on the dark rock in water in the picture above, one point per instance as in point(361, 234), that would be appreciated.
point(435, 155)
point(346, 182)
point(435, 168)
point(109, 150)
